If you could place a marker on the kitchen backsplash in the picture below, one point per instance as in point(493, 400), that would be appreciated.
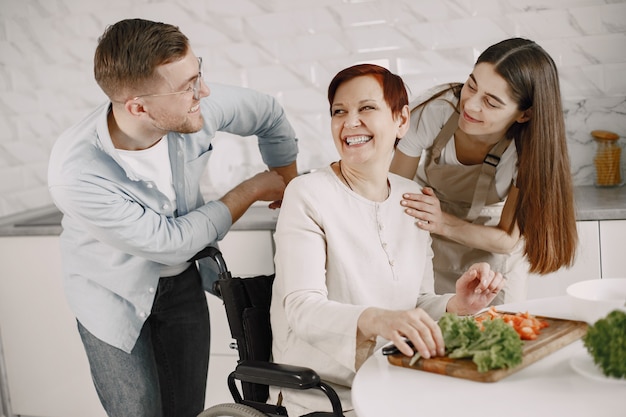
point(291, 49)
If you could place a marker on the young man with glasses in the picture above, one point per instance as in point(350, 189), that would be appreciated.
point(127, 181)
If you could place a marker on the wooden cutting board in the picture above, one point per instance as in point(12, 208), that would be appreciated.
point(559, 333)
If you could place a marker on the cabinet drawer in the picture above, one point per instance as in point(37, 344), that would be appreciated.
point(612, 244)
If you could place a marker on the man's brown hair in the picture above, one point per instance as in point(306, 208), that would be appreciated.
point(128, 53)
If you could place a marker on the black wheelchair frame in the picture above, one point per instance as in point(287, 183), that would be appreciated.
point(247, 303)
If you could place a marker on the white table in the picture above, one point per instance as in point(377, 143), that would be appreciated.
point(548, 387)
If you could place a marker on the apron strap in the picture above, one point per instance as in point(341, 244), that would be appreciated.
point(444, 135)
point(486, 178)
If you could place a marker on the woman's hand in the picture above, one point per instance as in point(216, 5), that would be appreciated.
point(426, 209)
point(415, 325)
point(475, 289)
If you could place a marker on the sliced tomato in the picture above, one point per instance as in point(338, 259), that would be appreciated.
point(526, 325)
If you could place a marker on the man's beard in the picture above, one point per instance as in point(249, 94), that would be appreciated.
point(186, 125)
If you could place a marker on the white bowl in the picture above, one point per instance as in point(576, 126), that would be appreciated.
point(596, 298)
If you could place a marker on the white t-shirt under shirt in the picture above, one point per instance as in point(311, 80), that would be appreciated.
point(421, 137)
point(153, 164)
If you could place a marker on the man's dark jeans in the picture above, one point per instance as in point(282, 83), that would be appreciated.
point(165, 374)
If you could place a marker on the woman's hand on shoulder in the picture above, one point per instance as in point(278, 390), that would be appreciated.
point(398, 326)
point(426, 209)
point(475, 289)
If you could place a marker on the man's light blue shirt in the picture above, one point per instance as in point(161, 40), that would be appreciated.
point(119, 229)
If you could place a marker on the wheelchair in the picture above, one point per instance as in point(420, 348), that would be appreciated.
point(247, 304)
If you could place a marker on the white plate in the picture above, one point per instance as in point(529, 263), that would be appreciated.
point(583, 364)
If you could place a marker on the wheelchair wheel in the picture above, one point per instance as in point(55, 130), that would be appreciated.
point(231, 410)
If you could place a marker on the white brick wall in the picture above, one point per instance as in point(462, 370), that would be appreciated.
point(291, 49)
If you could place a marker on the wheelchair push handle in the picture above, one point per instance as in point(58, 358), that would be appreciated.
point(215, 254)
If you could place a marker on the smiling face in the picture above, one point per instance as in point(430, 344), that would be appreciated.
point(363, 126)
point(487, 108)
point(171, 107)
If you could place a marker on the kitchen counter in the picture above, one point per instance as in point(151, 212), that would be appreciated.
point(47, 221)
point(592, 203)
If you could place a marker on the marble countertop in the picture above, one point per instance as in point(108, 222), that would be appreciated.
point(592, 203)
point(47, 221)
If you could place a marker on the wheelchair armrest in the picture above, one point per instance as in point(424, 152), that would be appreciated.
point(285, 376)
point(280, 375)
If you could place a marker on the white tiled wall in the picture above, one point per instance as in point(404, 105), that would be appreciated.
point(291, 49)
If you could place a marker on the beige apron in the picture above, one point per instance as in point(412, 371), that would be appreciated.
point(464, 191)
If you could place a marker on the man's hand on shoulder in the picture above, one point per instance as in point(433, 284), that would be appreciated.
point(264, 186)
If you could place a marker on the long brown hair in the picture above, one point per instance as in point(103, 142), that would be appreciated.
point(129, 51)
point(545, 211)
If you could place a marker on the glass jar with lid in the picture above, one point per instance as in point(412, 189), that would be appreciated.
point(607, 160)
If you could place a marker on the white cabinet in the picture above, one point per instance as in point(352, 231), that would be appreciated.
point(613, 247)
point(46, 366)
point(47, 369)
point(600, 254)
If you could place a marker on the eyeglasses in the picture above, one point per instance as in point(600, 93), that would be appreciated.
point(197, 84)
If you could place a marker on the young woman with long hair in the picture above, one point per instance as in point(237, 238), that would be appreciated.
point(492, 156)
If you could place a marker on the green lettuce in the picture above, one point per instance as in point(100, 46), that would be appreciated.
point(606, 342)
point(497, 345)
